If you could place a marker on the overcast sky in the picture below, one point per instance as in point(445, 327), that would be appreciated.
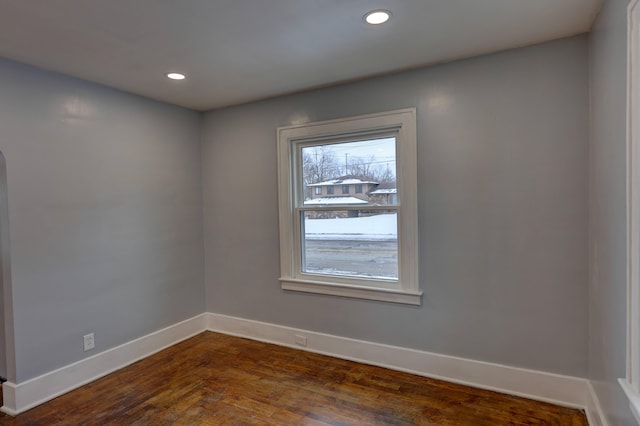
point(384, 151)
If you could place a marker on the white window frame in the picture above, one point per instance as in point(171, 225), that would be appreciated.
point(631, 384)
point(400, 123)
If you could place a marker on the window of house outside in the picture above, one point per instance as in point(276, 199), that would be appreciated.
point(363, 245)
point(319, 190)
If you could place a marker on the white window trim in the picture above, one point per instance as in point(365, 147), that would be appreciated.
point(631, 384)
point(404, 123)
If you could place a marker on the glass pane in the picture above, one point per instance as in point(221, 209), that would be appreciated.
point(351, 243)
point(350, 173)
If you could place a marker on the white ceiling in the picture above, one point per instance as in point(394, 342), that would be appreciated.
point(235, 51)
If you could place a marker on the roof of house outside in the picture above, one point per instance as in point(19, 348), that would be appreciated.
point(335, 200)
point(343, 180)
point(384, 191)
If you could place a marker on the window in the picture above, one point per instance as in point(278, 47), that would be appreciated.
point(348, 246)
point(318, 190)
point(359, 188)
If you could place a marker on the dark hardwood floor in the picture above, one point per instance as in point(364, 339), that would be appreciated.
point(213, 379)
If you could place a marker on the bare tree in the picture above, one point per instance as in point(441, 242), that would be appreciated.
point(361, 167)
point(384, 173)
point(371, 169)
point(319, 164)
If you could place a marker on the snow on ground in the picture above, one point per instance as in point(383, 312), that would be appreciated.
point(371, 228)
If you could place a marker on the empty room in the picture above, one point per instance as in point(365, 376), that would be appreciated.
point(313, 212)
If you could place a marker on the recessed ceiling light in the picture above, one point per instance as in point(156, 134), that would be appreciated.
point(175, 76)
point(376, 17)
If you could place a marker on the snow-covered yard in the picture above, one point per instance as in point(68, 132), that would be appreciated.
point(371, 228)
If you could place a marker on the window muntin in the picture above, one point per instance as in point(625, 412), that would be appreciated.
point(303, 266)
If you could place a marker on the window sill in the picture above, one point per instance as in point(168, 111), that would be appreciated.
point(358, 292)
point(634, 398)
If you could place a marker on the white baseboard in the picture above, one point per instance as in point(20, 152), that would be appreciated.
point(554, 388)
point(548, 387)
point(23, 396)
point(593, 409)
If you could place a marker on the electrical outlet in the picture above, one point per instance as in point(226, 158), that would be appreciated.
point(300, 340)
point(89, 342)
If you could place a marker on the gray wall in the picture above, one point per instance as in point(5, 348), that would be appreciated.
point(607, 182)
point(503, 171)
point(105, 216)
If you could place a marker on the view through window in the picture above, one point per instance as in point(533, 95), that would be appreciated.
point(350, 225)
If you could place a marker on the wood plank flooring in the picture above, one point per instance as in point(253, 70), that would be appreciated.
point(213, 379)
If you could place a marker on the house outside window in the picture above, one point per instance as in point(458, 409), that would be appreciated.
point(318, 232)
